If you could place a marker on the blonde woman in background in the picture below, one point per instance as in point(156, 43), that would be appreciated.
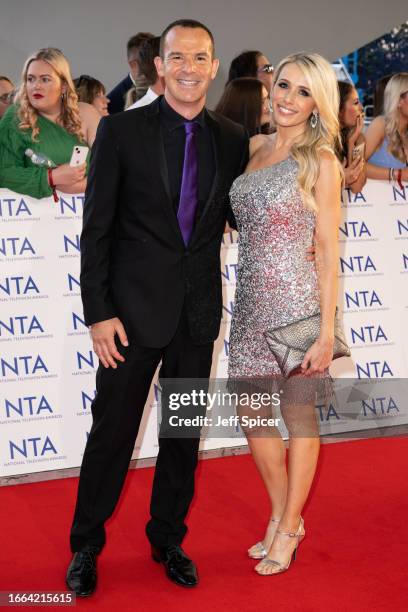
point(289, 192)
point(387, 135)
point(46, 118)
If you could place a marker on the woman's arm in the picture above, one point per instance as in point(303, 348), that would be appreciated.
point(374, 136)
point(90, 120)
point(355, 172)
point(327, 194)
point(14, 175)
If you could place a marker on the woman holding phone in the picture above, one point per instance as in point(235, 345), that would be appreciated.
point(351, 151)
point(48, 119)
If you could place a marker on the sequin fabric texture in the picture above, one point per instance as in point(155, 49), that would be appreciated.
point(276, 284)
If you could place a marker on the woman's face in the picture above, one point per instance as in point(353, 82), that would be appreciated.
point(266, 106)
point(44, 87)
point(351, 111)
point(403, 105)
point(291, 98)
point(100, 102)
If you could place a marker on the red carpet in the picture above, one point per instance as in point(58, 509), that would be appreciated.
point(353, 558)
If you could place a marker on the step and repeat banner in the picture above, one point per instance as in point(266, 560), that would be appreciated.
point(47, 366)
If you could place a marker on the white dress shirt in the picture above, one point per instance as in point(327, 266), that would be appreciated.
point(144, 100)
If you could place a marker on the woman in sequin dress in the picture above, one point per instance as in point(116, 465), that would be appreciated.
point(289, 194)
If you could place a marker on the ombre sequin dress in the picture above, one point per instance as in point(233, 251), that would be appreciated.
point(276, 284)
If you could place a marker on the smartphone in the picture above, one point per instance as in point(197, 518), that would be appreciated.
point(358, 150)
point(78, 156)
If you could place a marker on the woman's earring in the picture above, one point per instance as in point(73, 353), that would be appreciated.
point(313, 120)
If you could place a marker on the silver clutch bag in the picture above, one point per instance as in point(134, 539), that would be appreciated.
point(290, 343)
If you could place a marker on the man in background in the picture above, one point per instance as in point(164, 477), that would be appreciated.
point(6, 94)
point(148, 51)
point(134, 79)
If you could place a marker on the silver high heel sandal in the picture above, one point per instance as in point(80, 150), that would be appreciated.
point(258, 550)
point(280, 567)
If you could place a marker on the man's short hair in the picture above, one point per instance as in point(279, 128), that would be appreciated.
point(135, 41)
point(184, 23)
point(148, 50)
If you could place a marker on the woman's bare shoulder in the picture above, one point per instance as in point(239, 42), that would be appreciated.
point(256, 143)
point(87, 111)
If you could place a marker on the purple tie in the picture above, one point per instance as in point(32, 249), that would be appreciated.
point(189, 183)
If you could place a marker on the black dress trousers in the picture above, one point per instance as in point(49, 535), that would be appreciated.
point(117, 411)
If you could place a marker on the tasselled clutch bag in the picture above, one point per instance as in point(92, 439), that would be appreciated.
point(289, 343)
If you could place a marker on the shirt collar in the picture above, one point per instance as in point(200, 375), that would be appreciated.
point(171, 118)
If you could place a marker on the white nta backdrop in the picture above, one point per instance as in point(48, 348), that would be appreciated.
point(47, 366)
point(93, 33)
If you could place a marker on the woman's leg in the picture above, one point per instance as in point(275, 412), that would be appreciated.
point(304, 444)
point(269, 454)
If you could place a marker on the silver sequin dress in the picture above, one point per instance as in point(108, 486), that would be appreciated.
point(276, 284)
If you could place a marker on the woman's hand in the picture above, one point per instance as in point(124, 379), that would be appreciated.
point(78, 187)
point(353, 171)
point(65, 175)
point(318, 357)
point(355, 133)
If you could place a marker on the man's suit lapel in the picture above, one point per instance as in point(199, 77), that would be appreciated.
point(155, 148)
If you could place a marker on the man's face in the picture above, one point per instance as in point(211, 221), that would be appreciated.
point(133, 60)
point(188, 66)
point(6, 89)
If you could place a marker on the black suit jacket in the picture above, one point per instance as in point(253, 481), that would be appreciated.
point(118, 94)
point(134, 264)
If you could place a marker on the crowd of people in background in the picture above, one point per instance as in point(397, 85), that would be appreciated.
point(50, 111)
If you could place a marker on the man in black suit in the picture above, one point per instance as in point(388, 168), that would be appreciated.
point(117, 96)
point(151, 288)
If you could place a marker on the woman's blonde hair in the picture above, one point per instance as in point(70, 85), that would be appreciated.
point(322, 82)
point(396, 86)
point(69, 118)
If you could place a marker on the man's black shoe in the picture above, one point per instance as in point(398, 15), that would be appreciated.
point(81, 574)
point(179, 568)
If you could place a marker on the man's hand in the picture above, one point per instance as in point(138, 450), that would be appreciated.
point(103, 337)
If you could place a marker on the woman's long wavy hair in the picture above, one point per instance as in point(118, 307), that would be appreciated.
point(396, 86)
point(322, 82)
point(345, 89)
point(69, 118)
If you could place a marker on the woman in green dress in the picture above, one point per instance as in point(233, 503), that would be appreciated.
point(47, 118)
